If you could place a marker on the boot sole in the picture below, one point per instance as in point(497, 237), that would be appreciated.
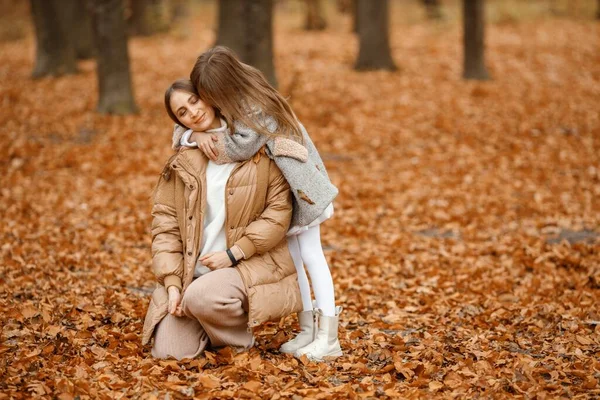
point(282, 350)
point(327, 357)
point(287, 351)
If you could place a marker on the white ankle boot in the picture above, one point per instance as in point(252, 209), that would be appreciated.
point(307, 334)
point(326, 344)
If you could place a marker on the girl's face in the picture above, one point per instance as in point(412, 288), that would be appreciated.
point(193, 112)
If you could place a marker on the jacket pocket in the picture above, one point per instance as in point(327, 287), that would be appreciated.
point(271, 302)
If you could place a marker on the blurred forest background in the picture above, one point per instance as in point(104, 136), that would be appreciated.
point(463, 136)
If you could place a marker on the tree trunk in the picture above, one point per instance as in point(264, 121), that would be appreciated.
point(355, 15)
point(246, 27)
point(55, 50)
point(555, 8)
point(315, 21)
point(149, 17)
point(114, 79)
point(230, 13)
point(374, 52)
point(598, 10)
point(433, 9)
point(349, 7)
point(180, 12)
point(344, 6)
point(82, 31)
point(474, 40)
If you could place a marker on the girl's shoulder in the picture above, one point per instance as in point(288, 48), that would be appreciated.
point(250, 108)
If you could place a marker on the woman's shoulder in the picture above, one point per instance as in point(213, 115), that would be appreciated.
point(180, 159)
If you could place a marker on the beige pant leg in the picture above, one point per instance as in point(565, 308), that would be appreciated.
point(218, 300)
point(179, 337)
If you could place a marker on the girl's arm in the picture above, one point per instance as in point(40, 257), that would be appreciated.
point(242, 144)
point(178, 132)
point(245, 142)
point(183, 137)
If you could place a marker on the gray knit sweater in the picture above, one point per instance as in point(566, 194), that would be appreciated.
point(301, 165)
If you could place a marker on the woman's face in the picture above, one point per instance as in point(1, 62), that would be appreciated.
point(193, 112)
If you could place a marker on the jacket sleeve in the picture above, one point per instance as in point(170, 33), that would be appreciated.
point(272, 225)
point(245, 142)
point(242, 144)
point(167, 247)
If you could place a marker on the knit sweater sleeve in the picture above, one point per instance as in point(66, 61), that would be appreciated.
point(245, 142)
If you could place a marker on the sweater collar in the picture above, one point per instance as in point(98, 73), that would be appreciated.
point(222, 128)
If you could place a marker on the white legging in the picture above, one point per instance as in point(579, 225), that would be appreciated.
point(306, 249)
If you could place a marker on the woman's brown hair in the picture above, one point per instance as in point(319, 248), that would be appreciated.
point(180, 84)
point(237, 89)
point(184, 85)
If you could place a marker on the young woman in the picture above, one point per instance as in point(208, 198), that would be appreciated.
point(230, 220)
point(258, 115)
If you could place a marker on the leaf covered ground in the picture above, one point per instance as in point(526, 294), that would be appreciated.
point(464, 245)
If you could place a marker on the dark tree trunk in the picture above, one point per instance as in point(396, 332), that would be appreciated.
point(598, 10)
point(148, 17)
point(228, 34)
point(315, 21)
point(554, 9)
point(474, 40)
point(355, 15)
point(115, 95)
point(55, 49)
point(180, 12)
point(348, 7)
point(82, 31)
point(246, 27)
point(344, 6)
point(433, 8)
point(374, 51)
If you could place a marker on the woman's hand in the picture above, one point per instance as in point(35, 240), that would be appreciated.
point(205, 143)
point(174, 301)
point(217, 260)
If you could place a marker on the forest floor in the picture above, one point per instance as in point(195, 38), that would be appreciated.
point(464, 248)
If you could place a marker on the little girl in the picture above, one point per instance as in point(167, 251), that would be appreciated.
point(260, 116)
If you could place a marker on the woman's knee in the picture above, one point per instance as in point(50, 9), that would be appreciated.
point(196, 299)
point(211, 295)
point(178, 337)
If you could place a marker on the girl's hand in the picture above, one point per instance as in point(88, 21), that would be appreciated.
point(174, 301)
point(216, 260)
point(205, 143)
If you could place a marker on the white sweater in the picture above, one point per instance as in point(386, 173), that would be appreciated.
point(217, 175)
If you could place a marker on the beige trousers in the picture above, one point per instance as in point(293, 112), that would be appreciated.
point(216, 314)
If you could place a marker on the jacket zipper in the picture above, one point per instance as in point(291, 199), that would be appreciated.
point(229, 244)
point(226, 190)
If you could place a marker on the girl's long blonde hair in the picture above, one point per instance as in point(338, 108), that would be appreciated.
point(237, 89)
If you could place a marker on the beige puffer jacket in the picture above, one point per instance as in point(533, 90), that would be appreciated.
point(258, 214)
